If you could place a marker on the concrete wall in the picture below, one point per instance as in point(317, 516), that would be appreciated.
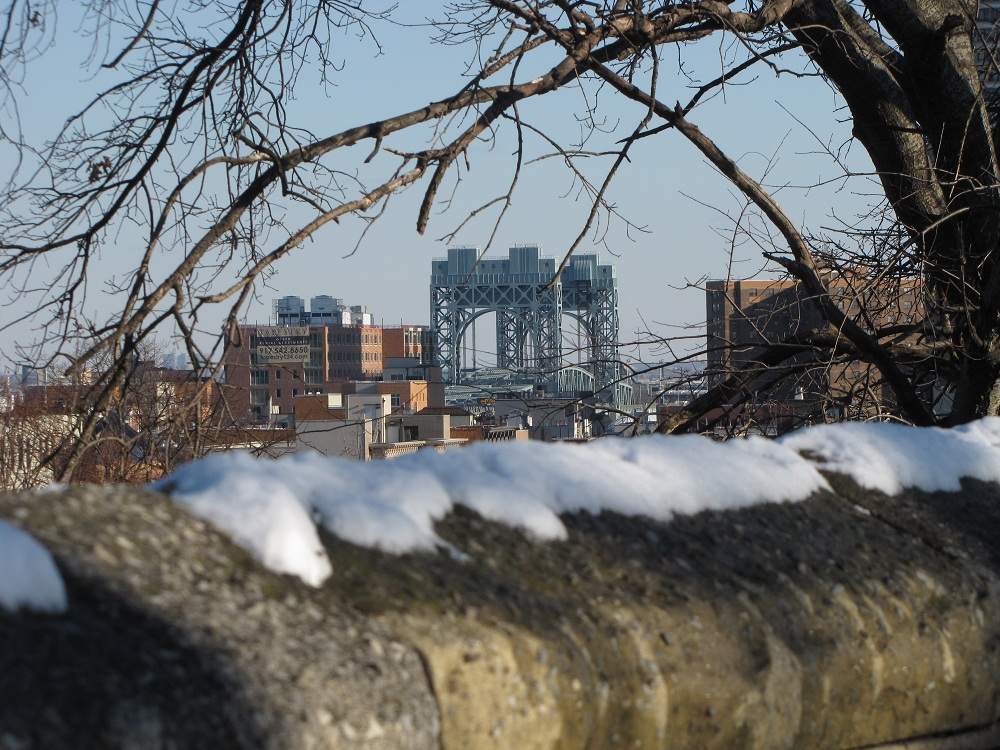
point(363, 423)
point(334, 437)
point(847, 620)
point(420, 427)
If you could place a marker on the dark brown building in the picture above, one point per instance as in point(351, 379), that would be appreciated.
point(744, 317)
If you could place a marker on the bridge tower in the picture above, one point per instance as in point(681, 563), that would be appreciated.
point(529, 305)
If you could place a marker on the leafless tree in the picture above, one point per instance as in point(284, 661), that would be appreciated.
point(194, 145)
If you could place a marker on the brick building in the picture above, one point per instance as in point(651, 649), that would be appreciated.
point(743, 317)
point(405, 396)
point(352, 352)
point(267, 367)
point(409, 342)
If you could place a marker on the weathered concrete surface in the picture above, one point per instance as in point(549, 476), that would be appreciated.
point(176, 638)
point(849, 620)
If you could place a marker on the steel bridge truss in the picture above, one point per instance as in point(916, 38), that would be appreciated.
point(529, 309)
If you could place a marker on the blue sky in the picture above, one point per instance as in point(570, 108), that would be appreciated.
point(667, 187)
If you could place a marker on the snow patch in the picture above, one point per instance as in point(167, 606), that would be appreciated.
point(891, 457)
point(259, 507)
point(271, 506)
point(29, 578)
point(267, 505)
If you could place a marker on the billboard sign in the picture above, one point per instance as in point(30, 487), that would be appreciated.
point(282, 345)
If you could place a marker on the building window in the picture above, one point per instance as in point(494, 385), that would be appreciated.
point(396, 401)
point(278, 393)
point(295, 391)
point(277, 374)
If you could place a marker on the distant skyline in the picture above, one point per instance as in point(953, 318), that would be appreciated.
point(666, 188)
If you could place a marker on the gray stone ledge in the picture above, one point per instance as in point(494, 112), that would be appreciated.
point(849, 620)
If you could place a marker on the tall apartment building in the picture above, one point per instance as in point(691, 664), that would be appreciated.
point(267, 367)
point(733, 310)
point(742, 317)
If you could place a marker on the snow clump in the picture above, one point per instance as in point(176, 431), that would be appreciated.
point(29, 578)
point(252, 502)
point(891, 457)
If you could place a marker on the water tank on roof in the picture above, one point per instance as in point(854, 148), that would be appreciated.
point(324, 303)
point(326, 309)
point(289, 310)
point(360, 316)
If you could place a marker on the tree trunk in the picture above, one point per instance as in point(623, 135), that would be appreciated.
point(920, 113)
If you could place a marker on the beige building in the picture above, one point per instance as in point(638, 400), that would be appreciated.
point(344, 425)
point(363, 426)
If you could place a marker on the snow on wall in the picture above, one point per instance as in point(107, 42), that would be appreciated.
point(254, 502)
point(29, 578)
point(890, 457)
point(270, 506)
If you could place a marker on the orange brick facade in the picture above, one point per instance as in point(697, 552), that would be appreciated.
point(409, 341)
point(337, 354)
